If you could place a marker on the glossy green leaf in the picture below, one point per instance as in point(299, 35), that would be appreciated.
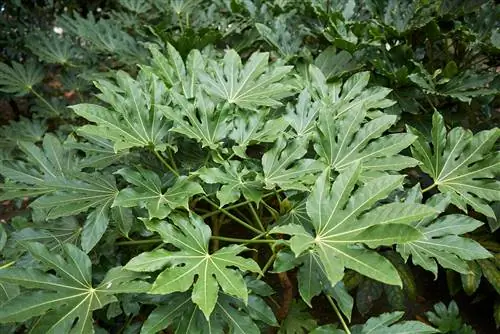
point(342, 220)
point(284, 167)
point(193, 260)
point(19, 79)
point(461, 164)
point(65, 298)
point(132, 118)
point(236, 180)
point(441, 240)
point(249, 86)
point(149, 192)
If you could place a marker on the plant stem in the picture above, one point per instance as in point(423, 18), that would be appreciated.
point(171, 157)
point(335, 308)
point(229, 214)
point(243, 241)
point(429, 188)
point(41, 98)
point(139, 242)
point(267, 265)
point(237, 205)
point(158, 155)
point(256, 217)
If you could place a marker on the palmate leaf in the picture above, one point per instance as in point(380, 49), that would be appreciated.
point(352, 96)
point(133, 118)
point(53, 49)
point(344, 141)
point(346, 137)
point(99, 152)
point(202, 120)
point(19, 79)
point(181, 315)
point(255, 128)
point(149, 192)
point(66, 298)
point(343, 221)
point(251, 86)
point(303, 115)
point(172, 70)
point(441, 241)
point(283, 165)
point(84, 192)
point(54, 172)
point(191, 236)
point(461, 164)
point(236, 180)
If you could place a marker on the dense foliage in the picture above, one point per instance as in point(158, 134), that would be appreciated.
point(240, 166)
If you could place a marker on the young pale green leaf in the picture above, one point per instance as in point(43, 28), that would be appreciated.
point(251, 86)
point(133, 118)
point(191, 236)
point(149, 192)
point(67, 298)
point(236, 180)
point(461, 164)
point(342, 219)
point(284, 167)
point(19, 79)
point(202, 120)
point(441, 241)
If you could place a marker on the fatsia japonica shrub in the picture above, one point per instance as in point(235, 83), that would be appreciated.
point(194, 182)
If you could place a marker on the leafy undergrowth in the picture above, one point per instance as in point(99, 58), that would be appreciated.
point(249, 166)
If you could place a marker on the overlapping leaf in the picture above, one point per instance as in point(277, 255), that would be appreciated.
point(342, 221)
point(236, 180)
point(202, 120)
point(181, 315)
point(284, 165)
point(193, 260)
point(346, 137)
point(133, 118)
point(251, 86)
point(149, 192)
point(66, 298)
point(176, 74)
point(441, 240)
point(255, 128)
point(54, 172)
point(461, 164)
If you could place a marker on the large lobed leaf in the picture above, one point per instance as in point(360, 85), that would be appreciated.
point(147, 191)
point(441, 240)
point(193, 260)
point(66, 298)
point(133, 118)
point(343, 220)
point(463, 165)
point(53, 171)
point(253, 85)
